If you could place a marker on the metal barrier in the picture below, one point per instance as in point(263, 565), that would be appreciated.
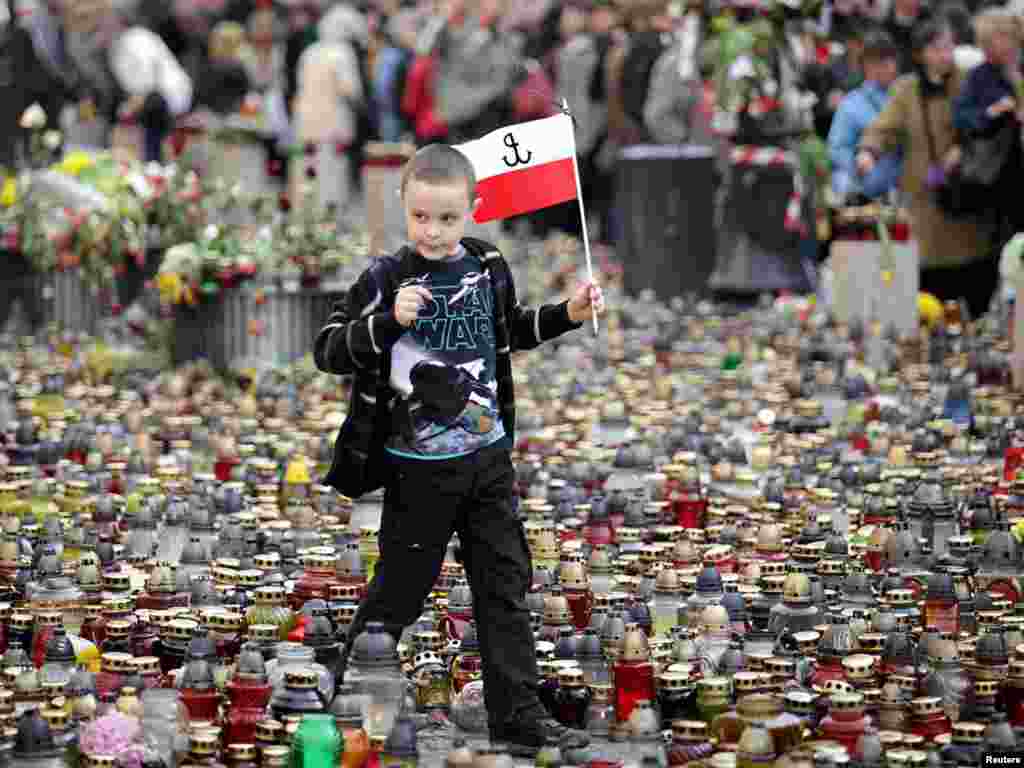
point(69, 304)
point(271, 321)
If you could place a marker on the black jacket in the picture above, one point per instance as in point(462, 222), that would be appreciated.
point(362, 344)
point(25, 80)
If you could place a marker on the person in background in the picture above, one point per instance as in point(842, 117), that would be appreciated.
point(326, 106)
point(156, 87)
point(954, 252)
point(263, 57)
point(22, 81)
point(834, 79)
point(576, 64)
point(329, 81)
point(478, 66)
point(40, 72)
point(991, 101)
point(672, 113)
point(629, 71)
point(858, 110)
point(391, 70)
point(186, 30)
point(224, 85)
point(264, 60)
point(303, 17)
point(91, 26)
point(241, 11)
point(605, 28)
point(904, 18)
point(419, 105)
point(966, 54)
point(566, 54)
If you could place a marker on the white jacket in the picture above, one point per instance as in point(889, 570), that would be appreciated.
point(329, 86)
point(143, 63)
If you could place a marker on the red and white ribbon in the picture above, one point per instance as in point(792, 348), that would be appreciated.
point(745, 155)
point(775, 156)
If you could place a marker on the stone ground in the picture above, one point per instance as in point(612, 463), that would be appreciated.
point(435, 742)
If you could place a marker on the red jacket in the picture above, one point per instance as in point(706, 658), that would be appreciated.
point(418, 99)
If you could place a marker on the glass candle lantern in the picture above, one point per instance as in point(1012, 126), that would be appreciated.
point(690, 743)
point(633, 674)
point(929, 719)
point(712, 698)
point(317, 743)
point(941, 606)
point(845, 721)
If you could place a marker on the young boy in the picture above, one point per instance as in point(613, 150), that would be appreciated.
point(436, 322)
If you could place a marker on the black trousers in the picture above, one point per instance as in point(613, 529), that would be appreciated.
point(428, 501)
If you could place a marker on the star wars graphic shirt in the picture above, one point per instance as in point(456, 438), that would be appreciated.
point(444, 365)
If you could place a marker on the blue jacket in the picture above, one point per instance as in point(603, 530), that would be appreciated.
point(985, 85)
point(855, 113)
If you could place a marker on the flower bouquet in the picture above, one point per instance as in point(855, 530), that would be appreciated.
point(80, 213)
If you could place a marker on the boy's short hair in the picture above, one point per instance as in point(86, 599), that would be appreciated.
point(879, 46)
point(440, 164)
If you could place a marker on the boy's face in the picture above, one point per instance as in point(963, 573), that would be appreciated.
point(436, 216)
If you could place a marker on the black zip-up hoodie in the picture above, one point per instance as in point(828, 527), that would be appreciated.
point(361, 330)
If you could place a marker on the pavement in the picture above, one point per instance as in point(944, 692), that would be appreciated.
point(435, 742)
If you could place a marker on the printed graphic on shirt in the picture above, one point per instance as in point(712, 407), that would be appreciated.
point(445, 366)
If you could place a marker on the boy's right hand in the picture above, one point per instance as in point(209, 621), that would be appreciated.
point(408, 303)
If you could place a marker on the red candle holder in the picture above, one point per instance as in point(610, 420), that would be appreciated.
point(634, 682)
point(1012, 461)
point(248, 707)
point(930, 721)
point(688, 507)
point(581, 606)
point(202, 705)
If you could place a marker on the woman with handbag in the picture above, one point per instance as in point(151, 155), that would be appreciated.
point(954, 250)
point(988, 110)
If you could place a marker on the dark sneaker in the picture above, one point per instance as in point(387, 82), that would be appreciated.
point(529, 730)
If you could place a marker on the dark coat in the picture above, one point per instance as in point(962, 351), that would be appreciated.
point(26, 79)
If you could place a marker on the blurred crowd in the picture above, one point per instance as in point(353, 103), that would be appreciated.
point(892, 86)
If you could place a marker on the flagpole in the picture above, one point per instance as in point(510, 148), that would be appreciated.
point(583, 213)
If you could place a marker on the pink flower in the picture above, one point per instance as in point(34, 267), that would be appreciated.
point(114, 734)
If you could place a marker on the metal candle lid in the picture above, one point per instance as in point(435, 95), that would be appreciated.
point(689, 730)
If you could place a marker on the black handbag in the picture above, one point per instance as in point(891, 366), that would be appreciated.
point(985, 157)
point(968, 189)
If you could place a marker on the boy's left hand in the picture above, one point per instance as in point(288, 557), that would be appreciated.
point(587, 295)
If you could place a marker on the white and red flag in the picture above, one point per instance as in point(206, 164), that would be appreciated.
point(524, 167)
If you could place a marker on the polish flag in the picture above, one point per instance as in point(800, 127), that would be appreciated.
point(523, 167)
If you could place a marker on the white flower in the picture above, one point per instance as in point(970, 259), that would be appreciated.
point(51, 140)
point(1010, 260)
point(742, 67)
point(179, 258)
point(211, 232)
point(33, 118)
